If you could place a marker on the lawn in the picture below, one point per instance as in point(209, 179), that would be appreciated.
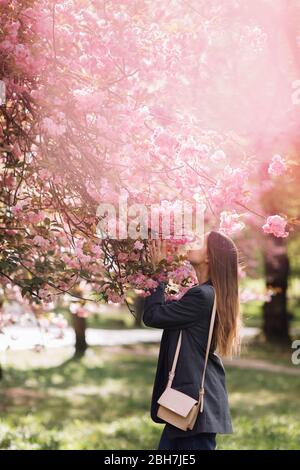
point(101, 401)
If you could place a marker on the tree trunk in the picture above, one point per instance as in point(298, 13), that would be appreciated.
point(139, 310)
point(79, 324)
point(277, 269)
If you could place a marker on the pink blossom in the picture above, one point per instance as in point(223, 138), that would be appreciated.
point(45, 295)
point(83, 258)
point(138, 245)
point(11, 232)
point(230, 223)
point(21, 52)
point(134, 256)
point(277, 166)
point(122, 257)
point(44, 174)
point(16, 151)
point(114, 297)
point(164, 140)
point(218, 156)
point(150, 283)
point(9, 181)
point(276, 225)
point(35, 217)
point(142, 293)
point(40, 241)
point(12, 28)
point(6, 45)
point(18, 208)
point(230, 188)
point(97, 250)
point(82, 312)
point(53, 129)
point(77, 309)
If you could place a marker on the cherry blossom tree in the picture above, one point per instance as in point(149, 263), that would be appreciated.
point(162, 101)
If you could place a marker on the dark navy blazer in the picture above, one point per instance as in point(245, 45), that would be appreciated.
point(191, 314)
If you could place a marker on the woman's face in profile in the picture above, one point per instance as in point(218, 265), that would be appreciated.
point(196, 252)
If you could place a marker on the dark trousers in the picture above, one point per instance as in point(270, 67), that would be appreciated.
point(201, 441)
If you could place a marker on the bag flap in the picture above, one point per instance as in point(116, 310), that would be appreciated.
point(176, 401)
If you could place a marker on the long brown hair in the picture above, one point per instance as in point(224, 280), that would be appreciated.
point(223, 271)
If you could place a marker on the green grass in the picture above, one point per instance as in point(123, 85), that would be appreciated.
point(265, 410)
point(101, 401)
point(273, 353)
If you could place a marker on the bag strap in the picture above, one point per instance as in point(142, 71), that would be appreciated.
point(172, 371)
point(210, 334)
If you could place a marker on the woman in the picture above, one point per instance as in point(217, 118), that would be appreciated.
point(215, 264)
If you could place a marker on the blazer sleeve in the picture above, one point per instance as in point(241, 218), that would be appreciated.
point(180, 313)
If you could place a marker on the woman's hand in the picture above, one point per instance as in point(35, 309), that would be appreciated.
point(158, 251)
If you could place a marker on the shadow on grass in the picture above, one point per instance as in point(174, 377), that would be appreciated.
point(74, 389)
point(103, 400)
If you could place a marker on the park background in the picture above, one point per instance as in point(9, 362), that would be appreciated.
point(56, 396)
